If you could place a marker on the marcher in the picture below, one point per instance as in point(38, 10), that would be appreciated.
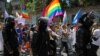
point(65, 37)
point(58, 33)
point(53, 37)
point(20, 35)
point(70, 40)
point(95, 40)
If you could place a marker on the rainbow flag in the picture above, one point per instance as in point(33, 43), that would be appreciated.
point(53, 9)
point(24, 13)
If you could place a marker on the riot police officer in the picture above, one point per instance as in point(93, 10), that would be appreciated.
point(83, 34)
point(10, 38)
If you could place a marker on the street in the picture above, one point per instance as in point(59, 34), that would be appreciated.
point(98, 53)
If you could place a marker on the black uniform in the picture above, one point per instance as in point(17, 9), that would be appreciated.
point(83, 35)
point(42, 38)
point(10, 38)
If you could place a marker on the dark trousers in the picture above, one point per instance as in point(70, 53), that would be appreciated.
point(93, 50)
point(52, 47)
point(81, 50)
point(15, 52)
point(65, 45)
point(11, 49)
point(43, 51)
point(34, 50)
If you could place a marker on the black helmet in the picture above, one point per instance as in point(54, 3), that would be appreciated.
point(9, 22)
point(87, 19)
point(43, 23)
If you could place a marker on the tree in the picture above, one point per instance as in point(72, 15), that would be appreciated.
point(39, 5)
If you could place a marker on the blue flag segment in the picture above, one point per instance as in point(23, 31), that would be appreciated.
point(77, 16)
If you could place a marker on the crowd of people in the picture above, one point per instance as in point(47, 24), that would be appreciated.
point(43, 39)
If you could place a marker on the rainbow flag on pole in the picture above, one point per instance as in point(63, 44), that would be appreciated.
point(53, 9)
point(24, 13)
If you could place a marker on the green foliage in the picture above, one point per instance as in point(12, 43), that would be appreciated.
point(39, 5)
point(31, 1)
point(9, 8)
point(28, 5)
point(89, 2)
point(48, 1)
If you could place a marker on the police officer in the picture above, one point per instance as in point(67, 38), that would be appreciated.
point(83, 34)
point(10, 38)
point(42, 38)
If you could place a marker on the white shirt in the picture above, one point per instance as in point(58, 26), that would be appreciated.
point(74, 37)
point(96, 33)
point(70, 32)
point(1, 41)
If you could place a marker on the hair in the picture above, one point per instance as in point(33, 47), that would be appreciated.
point(1, 25)
point(68, 24)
